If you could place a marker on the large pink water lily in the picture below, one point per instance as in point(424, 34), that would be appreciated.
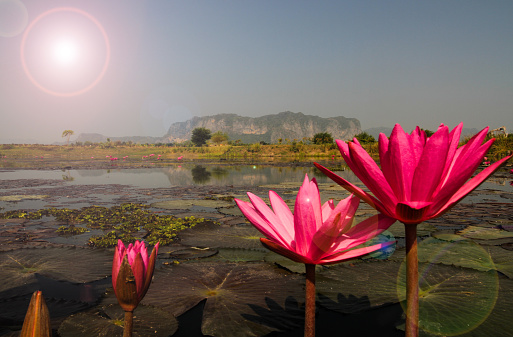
point(420, 177)
point(315, 233)
point(132, 271)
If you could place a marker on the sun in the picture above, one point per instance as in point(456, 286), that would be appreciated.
point(65, 51)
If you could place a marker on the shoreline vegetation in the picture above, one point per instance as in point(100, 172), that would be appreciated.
point(128, 155)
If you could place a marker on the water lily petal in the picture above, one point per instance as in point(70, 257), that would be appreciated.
point(371, 175)
point(354, 253)
point(471, 185)
point(279, 249)
point(259, 222)
point(369, 199)
point(286, 219)
point(431, 165)
point(307, 215)
point(362, 232)
point(401, 168)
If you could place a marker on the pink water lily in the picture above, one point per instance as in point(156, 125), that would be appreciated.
point(315, 233)
point(420, 178)
point(132, 271)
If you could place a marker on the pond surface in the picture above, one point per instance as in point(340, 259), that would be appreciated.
point(482, 254)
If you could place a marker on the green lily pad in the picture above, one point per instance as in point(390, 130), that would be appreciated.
point(371, 283)
point(229, 289)
point(497, 323)
point(234, 210)
point(483, 233)
point(188, 253)
point(239, 255)
point(217, 236)
point(452, 300)
point(108, 321)
point(70, 264)
point(20, 197)
point(189, 203)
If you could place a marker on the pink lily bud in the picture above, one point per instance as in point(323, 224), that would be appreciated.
point(132, 272)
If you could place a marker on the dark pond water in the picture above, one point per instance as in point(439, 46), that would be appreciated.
point(347, 296)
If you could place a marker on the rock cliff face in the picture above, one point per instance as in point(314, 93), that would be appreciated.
point(285, 125)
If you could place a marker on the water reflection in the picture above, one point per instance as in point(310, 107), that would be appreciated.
point(237, 175)
point(200, 175)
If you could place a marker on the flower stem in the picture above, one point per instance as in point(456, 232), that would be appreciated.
point(129, 322)
point(310, 301)
point(412, 281)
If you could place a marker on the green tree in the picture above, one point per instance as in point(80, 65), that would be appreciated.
point(67, 133)
point(429, 133)
point(219, 137)
point(200, 136)
point(364, 137)
point(322, 138)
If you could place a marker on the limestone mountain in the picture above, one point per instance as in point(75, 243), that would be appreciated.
point(269, 128)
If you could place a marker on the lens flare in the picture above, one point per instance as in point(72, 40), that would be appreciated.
point(65, 52)
point(458, 285)
point(13, 17)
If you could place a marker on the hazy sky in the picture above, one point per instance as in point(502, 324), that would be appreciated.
point(133, 67)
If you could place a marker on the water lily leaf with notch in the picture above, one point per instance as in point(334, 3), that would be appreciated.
point(78, 265)
point(229, 289)
point(148, 321)
point(218, 236)
point(452, 300)
point(497, 323)
point(450, 297)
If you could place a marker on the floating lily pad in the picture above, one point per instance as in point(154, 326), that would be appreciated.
point(108, 321)
point(20, 197)
point(451, 299)
point(230, 211)
point(217, 236)
point(188, 253)
point(239, 255)
point(371, 283)
point(483, 233)
point(70, 264)
point(189, 203)
point(497, 323)
point(229, 290)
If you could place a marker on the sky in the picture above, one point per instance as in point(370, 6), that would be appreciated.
point(134, 67)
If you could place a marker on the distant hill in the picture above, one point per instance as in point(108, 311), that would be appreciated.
point(99, 138)
point(269, 128)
